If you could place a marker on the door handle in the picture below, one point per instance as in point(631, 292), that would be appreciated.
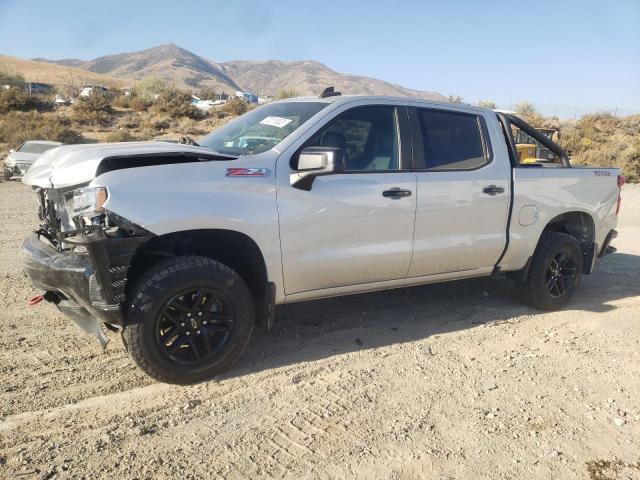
point(396, 193)
point(492, 190)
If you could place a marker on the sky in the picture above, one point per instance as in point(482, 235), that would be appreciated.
point(565, 56)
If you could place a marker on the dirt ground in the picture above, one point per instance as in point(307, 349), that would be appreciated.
point(451, 381)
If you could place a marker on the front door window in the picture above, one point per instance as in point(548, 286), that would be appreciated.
point(368, 137)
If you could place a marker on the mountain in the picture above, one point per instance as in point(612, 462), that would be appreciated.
point(310, 78)
point(168, 62)
point(188, 70)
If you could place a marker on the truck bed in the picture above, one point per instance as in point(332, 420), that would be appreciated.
point(540, 194)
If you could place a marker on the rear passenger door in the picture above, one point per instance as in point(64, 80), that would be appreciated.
point(463, 191)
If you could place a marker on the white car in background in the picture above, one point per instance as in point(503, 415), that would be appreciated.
point(61, 101)
point(88, 89)
point(204, 105)
point(19, 160)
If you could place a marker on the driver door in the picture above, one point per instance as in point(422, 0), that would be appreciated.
point(348, 229)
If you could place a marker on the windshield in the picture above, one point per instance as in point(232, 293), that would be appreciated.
point(261, 129)
point(35, 147)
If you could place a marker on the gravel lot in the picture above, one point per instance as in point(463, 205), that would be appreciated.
point(448, 381)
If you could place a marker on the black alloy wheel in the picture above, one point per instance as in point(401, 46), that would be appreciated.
point(561, 274)
point(194, 325)
point(188, 318)
point(555, 272)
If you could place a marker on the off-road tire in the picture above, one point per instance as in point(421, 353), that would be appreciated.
point(150, 294)
point(533, 290)
point(7, 174)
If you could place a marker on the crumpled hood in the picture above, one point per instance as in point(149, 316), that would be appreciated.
point(71, 165)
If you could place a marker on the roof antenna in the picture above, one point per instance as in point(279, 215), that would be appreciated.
point(329, 92)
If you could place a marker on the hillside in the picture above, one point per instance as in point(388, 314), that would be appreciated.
point(188, 70)
point(35, 71)
point(310, 78)
point(168, 62)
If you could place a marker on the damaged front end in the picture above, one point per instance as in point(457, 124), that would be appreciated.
point(80, 256)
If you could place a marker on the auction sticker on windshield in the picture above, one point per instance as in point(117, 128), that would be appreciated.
point(276, 121)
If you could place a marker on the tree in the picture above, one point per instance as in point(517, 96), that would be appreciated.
point(528, 112)
point(455, 99)
point(149, 87)
point(72, 83)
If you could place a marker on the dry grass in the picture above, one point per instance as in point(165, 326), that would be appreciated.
point(58, 75)
point(15, 99)
point(604, 140)
point(18, 127)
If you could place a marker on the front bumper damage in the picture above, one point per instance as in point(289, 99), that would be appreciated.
point(88, 287)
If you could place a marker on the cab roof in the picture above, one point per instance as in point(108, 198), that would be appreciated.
point(340, 99)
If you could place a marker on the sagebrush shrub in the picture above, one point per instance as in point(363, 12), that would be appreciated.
point(139, 104)
point(175, 103)
point(18, 127)
point(129, 121)
point(235, 106)
point(94, 109)
point(604, 140)
point(15, 99)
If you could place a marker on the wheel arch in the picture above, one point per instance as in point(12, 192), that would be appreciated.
point(234, 249)
point(577, 223)
point(581, 226)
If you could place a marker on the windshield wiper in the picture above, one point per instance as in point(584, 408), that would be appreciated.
point(231, 156)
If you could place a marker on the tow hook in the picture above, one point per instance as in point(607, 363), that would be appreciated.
point(35, 300)
point(49, 296)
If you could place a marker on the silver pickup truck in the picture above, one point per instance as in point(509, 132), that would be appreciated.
point(184, 249)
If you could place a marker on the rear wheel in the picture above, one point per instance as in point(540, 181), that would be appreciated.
point(190, 319)
point(555, 273)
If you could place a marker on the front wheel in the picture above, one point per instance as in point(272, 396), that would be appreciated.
point(189, 319)
point(7, 174)
point(555, 273)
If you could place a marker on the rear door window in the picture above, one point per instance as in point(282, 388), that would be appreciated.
point(451, 140)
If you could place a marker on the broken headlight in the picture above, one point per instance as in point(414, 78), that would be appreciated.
point(87, 202)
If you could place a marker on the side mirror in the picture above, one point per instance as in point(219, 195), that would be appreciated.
point(312, 162)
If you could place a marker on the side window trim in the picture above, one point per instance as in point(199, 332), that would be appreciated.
point(405, 142)
point(402, 136)
point(419, 162)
